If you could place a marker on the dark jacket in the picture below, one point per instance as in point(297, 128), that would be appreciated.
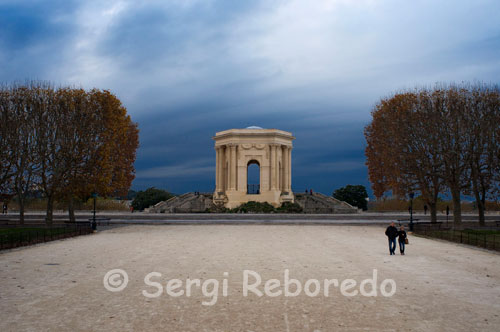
point(402, 236)
point(391, 232)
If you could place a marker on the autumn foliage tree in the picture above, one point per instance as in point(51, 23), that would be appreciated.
point(103, 148)
point(434, 141)
point(399, 157)
point(67, 142)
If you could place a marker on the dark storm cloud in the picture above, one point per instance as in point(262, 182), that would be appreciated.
point(33, 35)
point(186, 69)
point(26, 24)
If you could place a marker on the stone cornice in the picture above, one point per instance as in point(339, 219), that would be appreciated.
point(253, 132)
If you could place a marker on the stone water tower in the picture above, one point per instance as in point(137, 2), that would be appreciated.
point(236, 150)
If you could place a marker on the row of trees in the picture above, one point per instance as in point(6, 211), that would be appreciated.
point(437, 141)
point(66, 142)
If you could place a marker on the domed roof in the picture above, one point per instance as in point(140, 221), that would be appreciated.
point(254, 127)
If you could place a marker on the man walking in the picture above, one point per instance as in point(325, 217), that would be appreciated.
point(392, 234)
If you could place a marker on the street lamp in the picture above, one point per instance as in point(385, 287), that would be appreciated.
point(94, 224)
point(411, 211)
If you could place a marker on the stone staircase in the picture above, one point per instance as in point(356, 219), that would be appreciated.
point(185, 203)
point(203, 202)
point(319, 203)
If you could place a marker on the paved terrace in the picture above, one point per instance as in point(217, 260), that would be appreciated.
point(246, 218)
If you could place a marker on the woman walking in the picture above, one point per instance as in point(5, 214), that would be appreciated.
point(402, 240)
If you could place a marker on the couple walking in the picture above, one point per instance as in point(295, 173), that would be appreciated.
point(393, 233)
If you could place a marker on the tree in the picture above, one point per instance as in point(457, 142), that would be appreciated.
point(451, 109)
point(76, 145)
point(19, 157)
point(355, 195)
point(8, 128)
point(25, 159)
point(117, 139)
point(97, 145)
point(402, 153)
point(131, 194)
point(482, 145)
point(149, 197)
point(102, 141)
point(55, 144)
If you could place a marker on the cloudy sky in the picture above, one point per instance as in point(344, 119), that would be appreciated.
point(186, 69)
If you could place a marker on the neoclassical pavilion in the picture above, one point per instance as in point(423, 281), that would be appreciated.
point(236, 150)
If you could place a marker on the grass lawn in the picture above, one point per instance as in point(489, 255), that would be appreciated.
point(18, 236)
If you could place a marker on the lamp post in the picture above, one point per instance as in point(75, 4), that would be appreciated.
point(411, 211)
point(94, 224)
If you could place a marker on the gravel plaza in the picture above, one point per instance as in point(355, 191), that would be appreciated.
point(58, 286)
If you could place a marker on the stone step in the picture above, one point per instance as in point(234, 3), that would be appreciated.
point(319, 203)
point(188, 202)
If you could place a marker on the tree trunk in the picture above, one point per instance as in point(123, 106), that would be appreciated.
point(457, 209)
point(482, 221)
point(71, 209)
point(480, 203)
point(433, 207)
point(50, 210)
point(20, 198)
point(21, 209)
point(480, 207)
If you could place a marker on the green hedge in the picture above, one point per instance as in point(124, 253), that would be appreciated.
point(258, 207)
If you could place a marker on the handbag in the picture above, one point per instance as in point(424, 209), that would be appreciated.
point(406, 241)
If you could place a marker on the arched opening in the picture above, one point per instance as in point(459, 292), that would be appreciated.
point(253, 177)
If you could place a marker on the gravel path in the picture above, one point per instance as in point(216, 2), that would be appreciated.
point(58, 286)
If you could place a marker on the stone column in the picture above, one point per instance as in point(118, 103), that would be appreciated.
point(285, 168)
point(223, 169)
point(232, 165)
point(289, 169)
point(217, 174)
point(277, 170)
point(220, 168)
point(273, 166)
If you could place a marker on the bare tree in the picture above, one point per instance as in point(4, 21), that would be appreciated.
point(483, 118)
point(24, 148)
point(8, 128)
point(451, 107)
point(18, 151)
